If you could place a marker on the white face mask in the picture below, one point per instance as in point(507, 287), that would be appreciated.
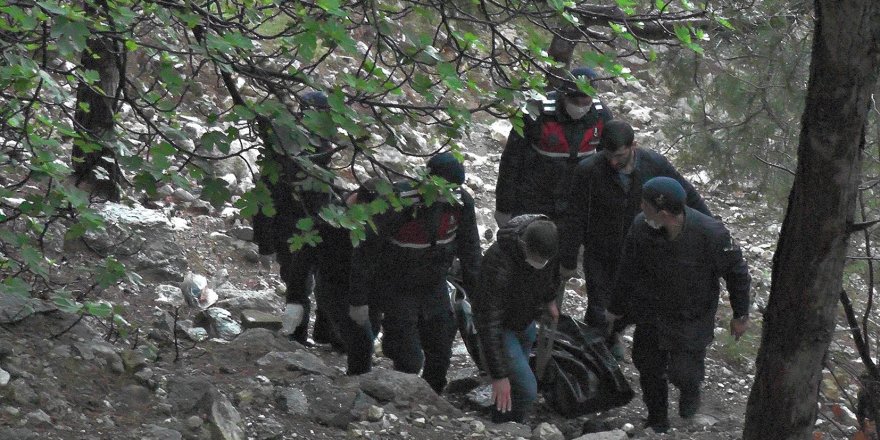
point(575, 111)
point(540, 264)
point(653, 223)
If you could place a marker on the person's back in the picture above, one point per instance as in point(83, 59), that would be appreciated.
point(534, 174)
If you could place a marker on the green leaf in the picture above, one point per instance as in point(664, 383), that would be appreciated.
point(71, 35)
point(214, 191)
point(305, 224)
point(66, 304)
point(98, 309)
point(110, 272)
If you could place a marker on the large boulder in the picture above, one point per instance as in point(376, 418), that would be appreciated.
point(402, 388)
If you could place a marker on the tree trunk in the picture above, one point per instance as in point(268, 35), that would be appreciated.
point(809, 260)
point(93, 119)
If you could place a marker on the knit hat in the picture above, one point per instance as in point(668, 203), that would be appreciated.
point(541, 239)
point(665, 193)
point(447, 166)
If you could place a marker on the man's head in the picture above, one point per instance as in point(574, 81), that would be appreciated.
point(663, 200)
point(618, 142)
point(447, 166)
point(539, 243)
point(576, 102)
point(314, 100)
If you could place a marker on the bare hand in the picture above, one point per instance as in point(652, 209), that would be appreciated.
point(553, 309)
point(501, 395)
point(738, 326)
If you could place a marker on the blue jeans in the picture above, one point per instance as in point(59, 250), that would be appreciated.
point(523, 385)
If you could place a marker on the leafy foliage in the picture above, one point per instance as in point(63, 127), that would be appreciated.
point(153, 93)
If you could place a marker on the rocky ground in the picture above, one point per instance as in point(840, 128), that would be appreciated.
point(222, 376)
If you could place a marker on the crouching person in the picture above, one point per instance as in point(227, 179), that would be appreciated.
point(518, 281)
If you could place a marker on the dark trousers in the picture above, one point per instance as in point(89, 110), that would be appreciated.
point(323, 268)
point(419, 330)
point(658, 366)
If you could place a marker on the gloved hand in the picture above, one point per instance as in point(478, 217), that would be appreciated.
point(292, 317)
point(609, 319)
point(501, 218)
point(566, 273)
point(360, 315)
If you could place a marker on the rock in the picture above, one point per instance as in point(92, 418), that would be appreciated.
point(220, 323)
point(546, 431)
point(616, 434)
point(146, 378)
point(253, 344)
point(703, 420)
point(155, 432)
point(14, 308)
point(39, 418)
point(394, 386)
point(300, 360)
point(19, 434)
point(237, 300)
point(293, 401)
point(334, 403)
point(225, 419)
point(142, 238)
point(4, 377)
point(257, 319)
point(22, 393)
point(102, 353)
point(168, 294)
point(244, 233)
point(184, 195)
point(500, 129)
point(133, 360)
point(135, 395)
point(374, 413)
point(512, 429)
point(481, 396)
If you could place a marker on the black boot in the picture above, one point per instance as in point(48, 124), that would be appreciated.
point(689, 403)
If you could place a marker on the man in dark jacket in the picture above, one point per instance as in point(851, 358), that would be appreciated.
point(606, 196)
point(404, 265)
point(535, 170)
point(295, 176)
point(518, 281)
point(667, 284)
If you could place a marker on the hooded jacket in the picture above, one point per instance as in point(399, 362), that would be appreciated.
point(511, 293)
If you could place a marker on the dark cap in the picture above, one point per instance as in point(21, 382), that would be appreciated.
point(569, 85)
point(315, 100)
point(664, 193)
point(447, 166)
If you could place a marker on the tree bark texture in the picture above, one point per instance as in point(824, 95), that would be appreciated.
point(96, 123)
point(810, 256)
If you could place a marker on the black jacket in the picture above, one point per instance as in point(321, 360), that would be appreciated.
point(511, 293)
point(673, 284)
point(599, 212)
point(295, 194)
point(531, 182)
point(417, 245)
